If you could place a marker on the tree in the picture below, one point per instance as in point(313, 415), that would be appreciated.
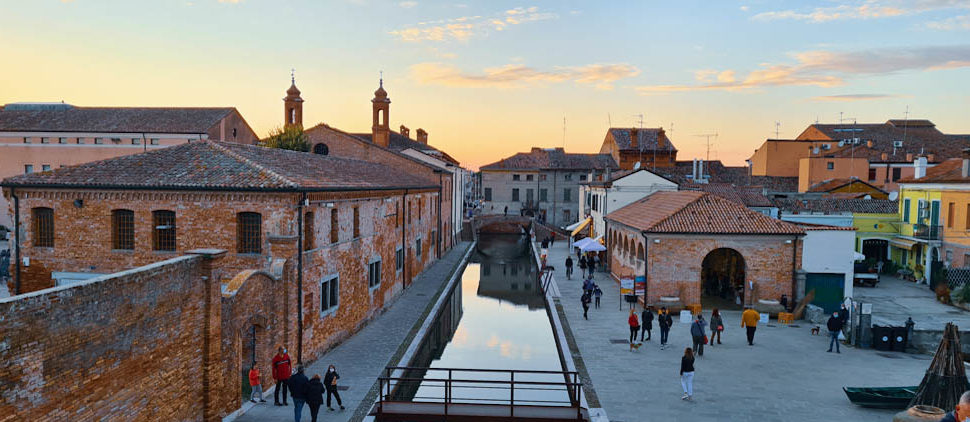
point(289, 137)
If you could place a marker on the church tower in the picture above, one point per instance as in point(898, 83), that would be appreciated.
point(381, 129)
point(293, 106)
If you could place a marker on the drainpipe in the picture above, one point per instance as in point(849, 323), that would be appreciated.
point(794, 267)
point(404, 243)
point(437, 241)
point(299, 280)
point(554, 200)
point(16, 234)
point(646, 253)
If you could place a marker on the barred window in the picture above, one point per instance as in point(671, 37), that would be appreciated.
point(123, 229)
point(308, 232)
point(43, 227)
point(334, 229)
point(249, 226)
point(163, 236)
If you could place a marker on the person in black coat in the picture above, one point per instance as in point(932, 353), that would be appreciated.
point(314, 396)
point(646, 317)
point(330, 381)
point(569, 267)
point(585, 301)
point(835, 327)
point(298, 385)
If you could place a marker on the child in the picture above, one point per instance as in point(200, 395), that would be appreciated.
point(255, 384)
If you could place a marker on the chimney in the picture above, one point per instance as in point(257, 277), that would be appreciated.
point(634, 138)
point(693, 171)
point(405, 132)
point(919, 166)
point(909, 156)
point(965, 170)
point(884, 156)
point(422, 136)
point(931, 158)
point(700, 171)
point(870, 144)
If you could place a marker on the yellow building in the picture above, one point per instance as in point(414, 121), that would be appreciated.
point(950, 182)
point(918, 245)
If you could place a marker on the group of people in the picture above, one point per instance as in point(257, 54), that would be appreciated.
point(302, 390)
point(590, 291)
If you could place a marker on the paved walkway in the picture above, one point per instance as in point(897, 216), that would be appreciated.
point(786, 375)
point(893, 300)
point(362, 357)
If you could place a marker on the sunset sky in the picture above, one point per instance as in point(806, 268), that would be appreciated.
point(487, 79)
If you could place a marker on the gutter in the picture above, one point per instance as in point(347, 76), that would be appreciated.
point(299, 280)
point(209, 188)
point(646, 260)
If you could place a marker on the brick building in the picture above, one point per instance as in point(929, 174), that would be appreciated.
point(36, 137)
point(648, 146)
point(697, 248)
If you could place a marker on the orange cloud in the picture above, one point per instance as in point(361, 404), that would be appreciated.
point(602, 76)
point(864, 9)
point(464, 27)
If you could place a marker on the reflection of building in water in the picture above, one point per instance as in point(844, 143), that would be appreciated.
point(438, 336)
point(511, 281)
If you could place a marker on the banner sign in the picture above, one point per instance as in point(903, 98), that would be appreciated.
point(640, 286)
point(626, 286)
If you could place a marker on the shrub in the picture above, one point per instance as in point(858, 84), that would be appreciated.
point(943, 293)
point(962, 294)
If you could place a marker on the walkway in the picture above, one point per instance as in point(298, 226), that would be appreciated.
point(362, 357)
point(787, 375)
point(893, 300)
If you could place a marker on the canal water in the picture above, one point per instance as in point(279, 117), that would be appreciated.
point(494, 319)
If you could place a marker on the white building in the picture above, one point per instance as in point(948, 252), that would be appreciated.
point(828, 256)
point(598, 198)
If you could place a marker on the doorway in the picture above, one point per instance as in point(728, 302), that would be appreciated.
point(248, 357)
point(722, 279)
point(876, 250)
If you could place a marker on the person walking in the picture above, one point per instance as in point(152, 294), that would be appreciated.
point(582, 265)
point(687, 374)
point(330, 381)
point(634, 327)
point(665, 321)
point(646, 318)
point(281, 374)
point(255, 385)
point(844, 316)
point(835, 327)
point(749, 320)
point(585, 300)
point(591, 263)
point(314, 396)
point(597, 293)
point(569, 267)
point(697, 334)
point(298, 388)
point(506, 212)
point(717, 326)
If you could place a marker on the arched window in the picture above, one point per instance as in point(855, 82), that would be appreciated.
point(248, 232)
point(292, 116)
point(640, 255)
point(123, 229)
point(43, 227)
point(163, 235)
point(321, 149)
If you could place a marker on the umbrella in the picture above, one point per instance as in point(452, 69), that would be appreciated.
point(860, 257)
point(946, 379)
point(582, 242)
point(592, 247)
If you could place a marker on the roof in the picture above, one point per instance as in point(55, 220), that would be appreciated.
point(830, 205)
point(833, 184)
point(814, 227)
point(553, 159)
point(225, 166)
point(697, 212)
point(949, 171)
point(648, 139)
point(399, 142)
point(749, 196)
point(717, 172)
point(113, 119)
point(619, 174)
point(918, 137)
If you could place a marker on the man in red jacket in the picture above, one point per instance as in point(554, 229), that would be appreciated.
point(281, 373)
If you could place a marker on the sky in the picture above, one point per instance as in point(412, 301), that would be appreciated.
point(488, 79)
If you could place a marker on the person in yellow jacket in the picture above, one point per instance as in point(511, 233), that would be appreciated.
point(749, 320)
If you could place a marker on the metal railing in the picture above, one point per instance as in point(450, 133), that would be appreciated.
point(927, 231)
point(495, 387)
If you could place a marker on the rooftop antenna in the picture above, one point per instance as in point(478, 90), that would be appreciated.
point(609, 119)
point(564, 132)
point(708, 137)
point(777, 126)
point(905, 125)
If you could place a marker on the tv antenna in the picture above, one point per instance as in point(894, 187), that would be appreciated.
point(777, 127)
point(708, 138)
point(564, 131)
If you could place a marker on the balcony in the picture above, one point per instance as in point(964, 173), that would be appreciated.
point(927, 232)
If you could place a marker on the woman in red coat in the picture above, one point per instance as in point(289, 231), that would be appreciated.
point(634, 327)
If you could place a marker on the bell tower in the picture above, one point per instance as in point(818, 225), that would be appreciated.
point(381, 129)
point(293, 105)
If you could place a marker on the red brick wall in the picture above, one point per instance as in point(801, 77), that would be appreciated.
point(674, 264)
point(89, 353)
point(223, 130)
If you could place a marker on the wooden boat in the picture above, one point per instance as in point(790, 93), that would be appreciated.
point(881, 397)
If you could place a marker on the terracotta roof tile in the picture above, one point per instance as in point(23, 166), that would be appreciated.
point(829, 204)
point(949, 171)
point(648, 139)
point(113, 119)
point(697, 212)
point(749, 196)
point(553, 158)
point(918, 137)
point(833, 184)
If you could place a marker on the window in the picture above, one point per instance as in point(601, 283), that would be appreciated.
point(542, 178)
point(567, 176)
point(950, 207)
point(320, 149)
point(515, 177)
point(567, 194)
point(136, 141)
point(872, 175)
point(399, 259)
point(329, 294)
point(249, 227)
point(163, 236)
point(830, 165)
point(595, 205)
point(233, 133)
point(28, 168)
point(529, 194)
point(309, 234)
point(417, 245)
point(488, 194)
point(967, 227)
point(26, 140)
point(897, 173)
point(45, 140)
point(374, 274)
point(62, 140)
point(80, 141)
point(565, 216)
point(906, 210)
point(154, 141)
point(43, 227)
point(123, 230)
point(420, 208)
point(334, 229)
point(543, 195)
point(356, 222)
point(515, 195)
point(582, 177)
point(397, 214)
point(99, 141)
point(529, 177)
point(45, 167)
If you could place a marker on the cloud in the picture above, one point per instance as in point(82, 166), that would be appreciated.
point(602, 76)
point(744, 8)
point(827, 68)
point(951, 24)
point(863, 9)
point(230, 1)
point(407, 4)
point(465, 27)
point(853, 97)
